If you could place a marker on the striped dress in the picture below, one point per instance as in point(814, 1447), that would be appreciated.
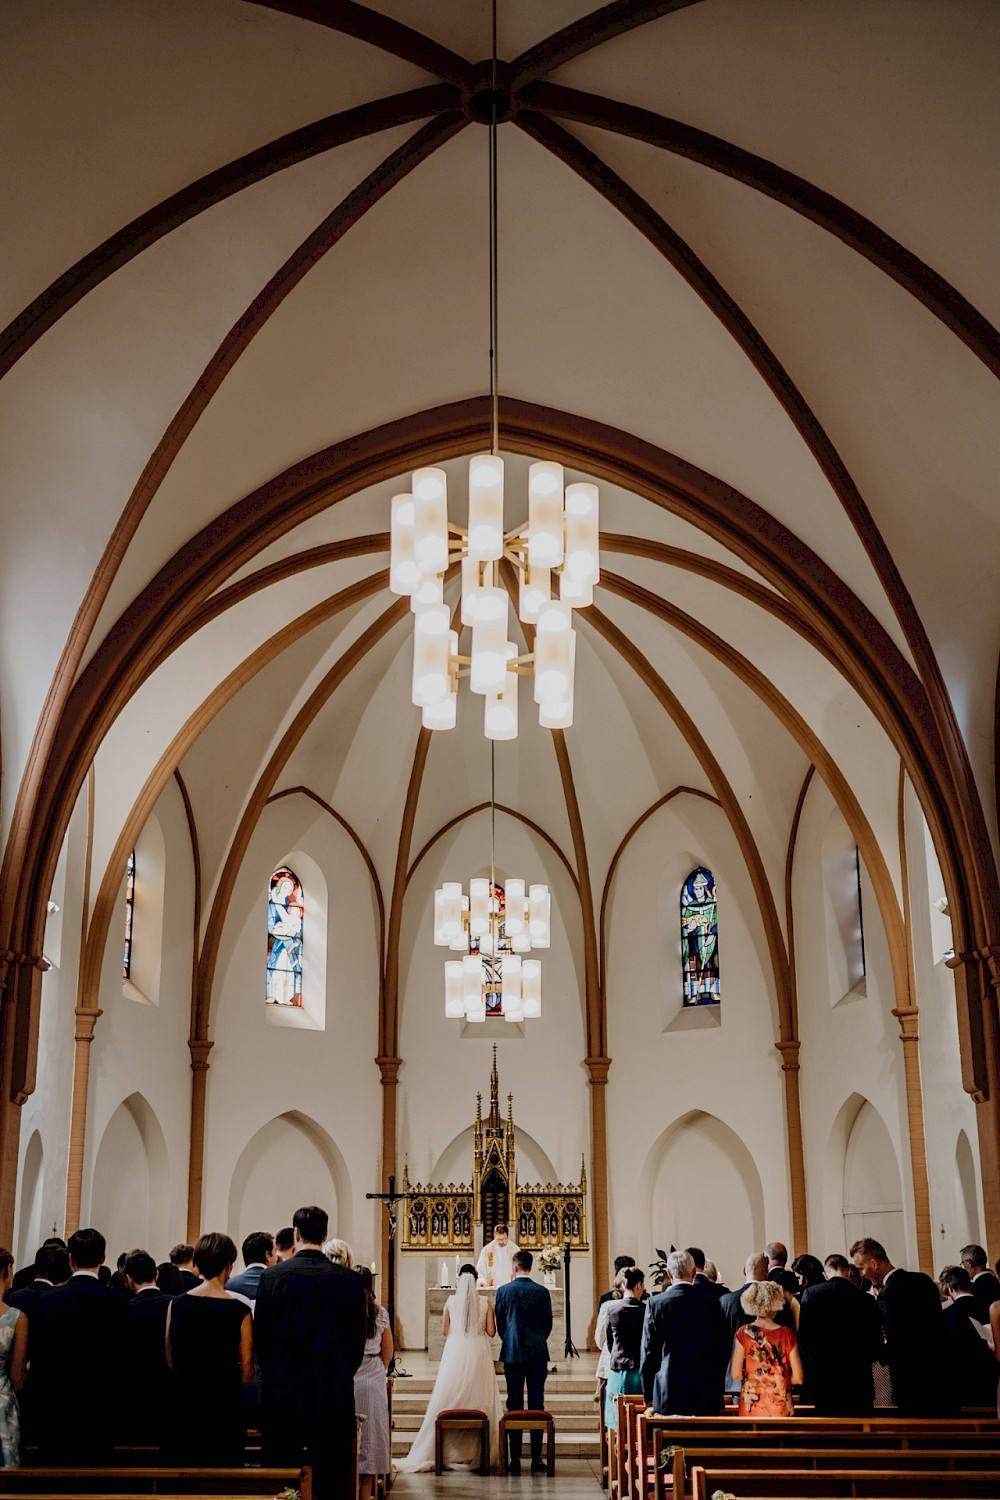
point(371, 1402)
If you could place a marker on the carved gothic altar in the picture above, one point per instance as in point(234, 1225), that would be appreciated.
point(443, 1219)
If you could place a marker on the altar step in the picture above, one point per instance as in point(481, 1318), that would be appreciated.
point(568, 1396)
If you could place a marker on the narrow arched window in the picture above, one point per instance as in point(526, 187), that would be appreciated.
point(285, 909)
point(129, 915)
point(700, 939)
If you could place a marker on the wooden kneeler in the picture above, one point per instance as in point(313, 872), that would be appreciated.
point(462, 1419)
point(529, 1421)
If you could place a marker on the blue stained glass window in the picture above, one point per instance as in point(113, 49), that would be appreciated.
point(129, 914)
point(285, 911)
point(700, 939)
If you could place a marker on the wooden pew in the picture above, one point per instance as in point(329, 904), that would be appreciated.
point(162, 1480)
point(892, 1484)
point(800, 1450)
point(653, 1435)
point(685, 1461)
point(629, 1408)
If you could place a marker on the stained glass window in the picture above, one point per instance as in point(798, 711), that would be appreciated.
point(285, 911)
point(493, 960)
point(129, 914)
point(700, 939)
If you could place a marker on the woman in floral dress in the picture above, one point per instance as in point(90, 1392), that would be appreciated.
point(765, 1356)
point(10, 1419)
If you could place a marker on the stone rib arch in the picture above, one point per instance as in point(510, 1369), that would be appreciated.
point(706, 1149)
point(130, 1182)
point(307, 1161)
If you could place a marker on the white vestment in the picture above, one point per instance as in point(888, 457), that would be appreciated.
point(494, 1263)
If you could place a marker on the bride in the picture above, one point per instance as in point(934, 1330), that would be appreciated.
point(466, 1378)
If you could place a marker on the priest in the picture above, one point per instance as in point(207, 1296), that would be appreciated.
point(494, 1264)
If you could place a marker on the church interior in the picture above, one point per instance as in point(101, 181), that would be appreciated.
point(737, 264)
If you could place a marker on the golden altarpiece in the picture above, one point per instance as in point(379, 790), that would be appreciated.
point(445, 1218)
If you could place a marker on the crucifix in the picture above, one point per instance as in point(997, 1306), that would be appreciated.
point(390, 1199)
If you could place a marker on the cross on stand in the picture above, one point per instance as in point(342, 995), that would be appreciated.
point(390, 1199)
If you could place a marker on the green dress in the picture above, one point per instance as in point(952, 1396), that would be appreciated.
point(10, 1418)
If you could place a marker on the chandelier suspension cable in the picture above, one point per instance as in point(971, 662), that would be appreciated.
point(494, 259)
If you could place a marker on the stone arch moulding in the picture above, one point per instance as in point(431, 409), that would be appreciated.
point(136, 1111)
point(937, 764)
point(723, 1140)
point(330, 1153)
point(836, 1166)
point(29, 1227)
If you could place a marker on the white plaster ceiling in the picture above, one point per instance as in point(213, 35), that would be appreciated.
point(889, 104)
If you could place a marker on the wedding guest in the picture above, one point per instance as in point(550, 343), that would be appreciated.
point(600, 1328)
point(765, 1356)
point(10, 1424)
point(712, 1275)
point(915, 1335)
point(51, 1269)
point(809, 1272)
point(81, 1321)
point(258, 1254)
point(209, 1341)
point(624, 1327)
point(701, 1277)
point(840, 1339)
point(622, 1263)
point(976, 1369)
point(310, 1331)
point(683, 1345)
point(284, 1244)
point(777, 1261)
point(169, 1279)
point(339, 1253)
point(181, 1256)
point(145, 1391)
point(27, 1274)
point(985, 1286)
point(371, 1398)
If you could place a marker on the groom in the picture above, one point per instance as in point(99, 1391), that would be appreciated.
point(524, 1322)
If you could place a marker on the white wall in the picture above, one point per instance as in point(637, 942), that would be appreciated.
point(294, 1114)
point(695, 1113)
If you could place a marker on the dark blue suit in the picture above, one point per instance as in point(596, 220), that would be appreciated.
point(683, 1349)
point(524, 1322)
point(247, 1282)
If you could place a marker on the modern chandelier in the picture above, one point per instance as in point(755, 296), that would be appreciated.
point(492, 929)
point(559, 545)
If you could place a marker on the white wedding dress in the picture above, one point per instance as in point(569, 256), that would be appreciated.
point(466, 1379)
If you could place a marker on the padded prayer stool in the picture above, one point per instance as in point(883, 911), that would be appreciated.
point(460, 1419)
point(529, 1421)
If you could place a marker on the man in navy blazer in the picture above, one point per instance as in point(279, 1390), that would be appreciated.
point(258, 1254)
point(683, 1346)
point(524, 1321)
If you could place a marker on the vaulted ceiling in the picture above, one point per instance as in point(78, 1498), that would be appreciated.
point(747, 281)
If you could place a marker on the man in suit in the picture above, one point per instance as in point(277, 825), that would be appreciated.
point(976, 1370)
point(622, 1263)
point(81, 1327)
point(985, 1286)
point(840, 1338)
point(524, 1321)
point(144, 1396)
point(284, 1243)
point(777, 1263)
point(258, 1254)
point(182, 1256)
point(52, 1268)
point(916, 1341)
point(683, 1346)
point(309, 1334)
point(27, 1274)
point(717, 1288)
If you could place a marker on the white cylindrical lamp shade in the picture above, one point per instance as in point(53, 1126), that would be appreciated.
point(534, 591)
point(448, 913)
point(582, 533)
point(486, 507)
point(501, 709)
point(454, 990)
point(479, 906)
point(430, 520)
point(472, 588)
point(531, 988)
point(558, 712)
point(489, 642)
point(404, 574)
point(554, 638)
point(431, 649)
point(574, 593)
point(511, 983)
point(514, 917)
point(472, 985)
point(545, 515)
point(539, 916)
point(427, 591)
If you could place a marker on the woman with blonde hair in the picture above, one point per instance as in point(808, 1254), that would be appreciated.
point(765, 1356)
point(340, 1253)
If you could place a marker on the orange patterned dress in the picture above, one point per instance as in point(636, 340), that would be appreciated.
point(767, 1371)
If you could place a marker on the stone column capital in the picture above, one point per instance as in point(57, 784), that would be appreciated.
point(389, 1068)
point(86, 1020)
point(907, 1015)
point(200, 1048)
point(597, 1069)
point(789, 1051)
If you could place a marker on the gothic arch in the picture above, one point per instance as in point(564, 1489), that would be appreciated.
point(255, 1182)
